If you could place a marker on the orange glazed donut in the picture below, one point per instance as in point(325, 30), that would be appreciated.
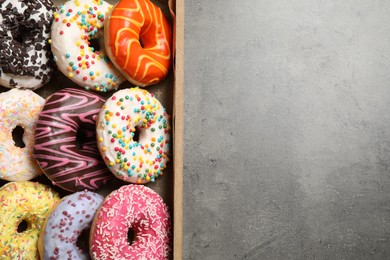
point(138, 41)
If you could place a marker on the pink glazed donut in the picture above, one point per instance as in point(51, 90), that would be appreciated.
point(131, 207)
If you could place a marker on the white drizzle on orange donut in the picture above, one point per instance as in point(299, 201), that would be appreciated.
point(138, 40)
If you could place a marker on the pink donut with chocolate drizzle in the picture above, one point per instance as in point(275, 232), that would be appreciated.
point(131, 207)
point(71, 165)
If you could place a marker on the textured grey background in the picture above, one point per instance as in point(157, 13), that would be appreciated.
point(287, 129)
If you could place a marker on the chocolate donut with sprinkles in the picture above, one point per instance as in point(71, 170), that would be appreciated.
point(136, 208)
point(25, 56)
point(65, 224)
point(78, 46)
point(65, 140)
point(133, 133)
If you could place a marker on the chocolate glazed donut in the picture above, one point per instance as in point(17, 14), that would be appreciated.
point(68, 118)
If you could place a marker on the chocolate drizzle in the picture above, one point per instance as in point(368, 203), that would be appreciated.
point(68, 165)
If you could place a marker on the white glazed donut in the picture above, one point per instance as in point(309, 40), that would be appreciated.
point(64, 225)
point(25, 57)
point(76, 24)
point(126, 112)
point(18, 108)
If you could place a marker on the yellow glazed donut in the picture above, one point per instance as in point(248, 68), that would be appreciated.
point(23, 201)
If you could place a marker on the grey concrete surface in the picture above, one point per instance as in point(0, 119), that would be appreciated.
point(287, 129)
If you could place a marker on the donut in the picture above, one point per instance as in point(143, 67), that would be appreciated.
point(25, 56)
point(125, 114)
point(138, 40)
point(136, 208)
point(28, 202)
point(64, 225)
point(68, 114)
point(78, 24)
point(18, 108)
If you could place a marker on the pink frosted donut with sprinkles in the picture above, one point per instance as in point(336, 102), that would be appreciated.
point(18, 108)
point(78, 46)
point(133, 133)
point(135, 208)
point(65, 224)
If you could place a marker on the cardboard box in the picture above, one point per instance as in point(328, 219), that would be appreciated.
point(170, 92)
point(177, 8)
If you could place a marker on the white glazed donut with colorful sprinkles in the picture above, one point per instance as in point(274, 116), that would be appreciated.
point(18, 108)
point(76, 24)
point(137, 208)
point(64, 225)
point(125, 113)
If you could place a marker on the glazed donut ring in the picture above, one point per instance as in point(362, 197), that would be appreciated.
point(76, 24)
point(25, 56)
point(18, 108)
point(135, 207)
point(66, 114)
point(126, 112)
point(23, 201)
point(138, 40)
point(64, 225)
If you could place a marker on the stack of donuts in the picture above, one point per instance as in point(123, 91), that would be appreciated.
point(79, 182)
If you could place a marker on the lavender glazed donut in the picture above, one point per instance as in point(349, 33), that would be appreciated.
point(64, 225)
point(67, 114)
point(25, 56)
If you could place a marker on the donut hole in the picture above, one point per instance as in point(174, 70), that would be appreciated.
point(23, 226)
point(82, 240)
point(131, 235)
point(136, 135)
point(95, 44)
point(80, 139)
point(17, 136)
point(21, 32)
point(141, 42)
